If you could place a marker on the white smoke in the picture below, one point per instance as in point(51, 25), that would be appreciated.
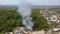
point(25, 10)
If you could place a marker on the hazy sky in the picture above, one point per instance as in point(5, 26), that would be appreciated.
point(34, 2)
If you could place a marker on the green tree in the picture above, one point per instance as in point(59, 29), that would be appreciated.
point(40, 21)
point(9, 19)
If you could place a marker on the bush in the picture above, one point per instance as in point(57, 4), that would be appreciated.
point(9, 19)
point(40, 21)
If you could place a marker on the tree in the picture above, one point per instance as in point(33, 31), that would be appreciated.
point(40, 21)
point(9, 19)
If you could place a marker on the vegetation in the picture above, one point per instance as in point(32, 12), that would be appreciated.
point(9, 19)
point(40, 21)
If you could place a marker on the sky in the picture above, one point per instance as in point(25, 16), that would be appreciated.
point(33, 2)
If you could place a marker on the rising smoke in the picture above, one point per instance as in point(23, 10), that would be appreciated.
point(25, 10)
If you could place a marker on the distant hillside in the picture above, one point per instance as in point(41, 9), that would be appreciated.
point(34, 6)
point(45, 6)
point(8, 6)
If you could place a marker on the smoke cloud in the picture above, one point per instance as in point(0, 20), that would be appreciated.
point(25, 10)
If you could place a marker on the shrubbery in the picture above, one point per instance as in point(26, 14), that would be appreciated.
point(9, 19)
point(40, 21)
